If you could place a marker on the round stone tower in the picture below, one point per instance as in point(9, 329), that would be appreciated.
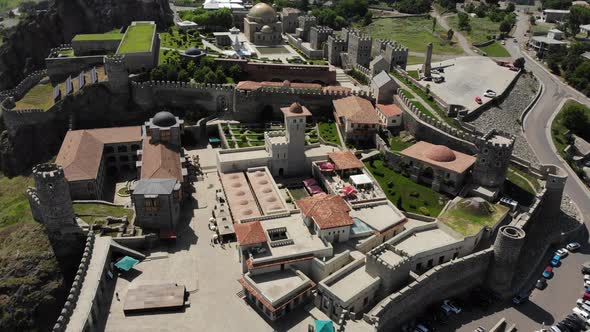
point(54, 204)
point(495, 150)
point(507, 249)
point(555, 179)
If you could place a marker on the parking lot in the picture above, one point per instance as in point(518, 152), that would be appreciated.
point(544, 308)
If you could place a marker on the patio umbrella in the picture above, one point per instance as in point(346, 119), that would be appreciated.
point(126, 263)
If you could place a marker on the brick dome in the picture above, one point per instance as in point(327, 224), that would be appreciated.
point(295, 108)
point(440, 153)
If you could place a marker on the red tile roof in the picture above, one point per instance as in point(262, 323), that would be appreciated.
point(81, 151)
point(389, 110)
point(356, 110)
point(327, 211)
point(250, 233)
point(344, 160)
point(160, 162)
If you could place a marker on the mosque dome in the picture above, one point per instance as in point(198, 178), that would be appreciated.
point(164, 119)
point(193, 51)
point(440, 153)
point(262, 11)
point(295, 108)
point(266, 29)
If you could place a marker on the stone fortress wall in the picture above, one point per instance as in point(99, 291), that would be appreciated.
point(24, 86)
point(59, 68)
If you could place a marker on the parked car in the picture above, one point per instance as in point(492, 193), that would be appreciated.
point(555, 261)
point(453, 307)
point(573, 246)
point(479, 329)
point(586, 268)
point(515, 40)
point(490, 93)
point(586, 284)
point(581, 313)
point(562, 252)
point(586, 296)
point(478, 100)
point(421, 328)
point(503, 42)
point(541, 284)
point(548, 273)
point(520, 298)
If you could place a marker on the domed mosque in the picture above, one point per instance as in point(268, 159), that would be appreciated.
point(262, 26)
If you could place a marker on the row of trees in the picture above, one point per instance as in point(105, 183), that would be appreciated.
point(576, 120)
point(343, 13)
point(506, 16)
point(568, 62)
point(204, 70)
point(209, 18)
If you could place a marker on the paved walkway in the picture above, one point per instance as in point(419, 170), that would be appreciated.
point(463, 42)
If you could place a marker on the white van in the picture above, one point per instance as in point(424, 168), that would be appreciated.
point(420, 328)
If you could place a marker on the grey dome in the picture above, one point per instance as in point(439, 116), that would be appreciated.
point(193, 51)
point(164, 119)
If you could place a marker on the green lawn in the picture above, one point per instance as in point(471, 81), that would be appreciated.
point(482, 29)
point(541, 29)
point(91, 212)
point(39, 97)
point(138, 38)
point(329, 132)
point(14, 205)
point(397, 144)
point(414, 74)
point(415, 60)
point(468, 221)
point(495, 49)
point(523, 180)
point(422, 108)
point(99, 36)
point(558, 130)
point(414, 33)
point(405, 193)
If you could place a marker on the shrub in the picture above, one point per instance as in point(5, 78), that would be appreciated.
point(424, 210)
point(426, 203)
point(288, 200)
point(390, 184)
point(415, 194)
point(412, 206)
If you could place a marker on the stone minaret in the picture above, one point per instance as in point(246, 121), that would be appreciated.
point(427, 67)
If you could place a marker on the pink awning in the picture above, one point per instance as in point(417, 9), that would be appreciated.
point(326, 166)
point(349, 190)
point(309, 182)
point(315, 189)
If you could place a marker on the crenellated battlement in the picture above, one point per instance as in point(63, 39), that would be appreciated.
point(24, 86)
point(183, 85)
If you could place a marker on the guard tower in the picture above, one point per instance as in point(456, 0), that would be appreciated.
point(495, 150)
point(117, 73)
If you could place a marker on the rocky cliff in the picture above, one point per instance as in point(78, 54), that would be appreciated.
point(26, 45)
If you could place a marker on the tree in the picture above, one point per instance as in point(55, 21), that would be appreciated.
point(433, 24)
point(553, 66)
point(532, 20)
point(519, 63)
point(575, 119)
point(450, 34)
point(368, 18)
point(464, 22)
point(579, 15)
point(511, 7)
point(505, 27)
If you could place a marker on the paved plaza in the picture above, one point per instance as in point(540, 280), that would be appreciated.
point(467, 78)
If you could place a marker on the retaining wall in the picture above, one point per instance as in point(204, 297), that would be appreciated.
point(24, 86)
point(59, 69)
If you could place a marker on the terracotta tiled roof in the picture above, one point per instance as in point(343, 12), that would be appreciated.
point(344, 160)
point(295, 110)
point(328, 211)
point(356, 109)
point(160, 162)
point(440, 156)
point(81, 151)
point(250, 233)
point(389, 110)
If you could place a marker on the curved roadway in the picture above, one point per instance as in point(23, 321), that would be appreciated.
point(537, 124)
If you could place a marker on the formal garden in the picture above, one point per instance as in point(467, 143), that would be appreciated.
point(248, 135)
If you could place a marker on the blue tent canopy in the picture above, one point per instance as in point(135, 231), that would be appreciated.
point(126, 263)
point(324, 326)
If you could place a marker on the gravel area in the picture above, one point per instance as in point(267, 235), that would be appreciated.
point(506, 115)
point(569, 208)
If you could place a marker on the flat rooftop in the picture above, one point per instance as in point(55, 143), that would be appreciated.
point(320, 151)
point(240, 198)
point(154, 297)
point(277, 286)
point(303, 241)
point(138, 38)
point(237, 155)
point(352, 284)
point(380, 217)
point(425, 240)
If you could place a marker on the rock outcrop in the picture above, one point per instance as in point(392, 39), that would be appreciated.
point(26, 45)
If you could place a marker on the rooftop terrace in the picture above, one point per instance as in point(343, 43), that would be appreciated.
point(425, 240)
point(99, 36)
point(138, 38)
point(277, 286)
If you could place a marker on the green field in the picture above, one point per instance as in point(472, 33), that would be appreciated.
point(138, 38)
point(414, 33)
point(99, 36)
point(469, 221)
point(482, 29)
point(495, 49)
point(92, 213)
point(523, 180)
point(415, 60)
point(329, 132)
point(39, 97)
point(397, 144)
point(14, 205)
point(405, 193)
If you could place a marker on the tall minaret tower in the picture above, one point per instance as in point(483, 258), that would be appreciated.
point(295, 119)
